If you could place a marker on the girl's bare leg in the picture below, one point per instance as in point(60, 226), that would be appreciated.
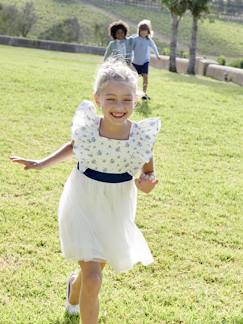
point(75, 289)
point(89, 295)
point(145, 83)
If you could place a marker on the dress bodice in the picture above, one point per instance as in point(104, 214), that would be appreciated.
point(111, 155)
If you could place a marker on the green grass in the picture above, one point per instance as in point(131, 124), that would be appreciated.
point(192, 221)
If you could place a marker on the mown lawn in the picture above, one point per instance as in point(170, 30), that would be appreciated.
point(192, 221)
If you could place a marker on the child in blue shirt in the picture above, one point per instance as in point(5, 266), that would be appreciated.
point(141, 45)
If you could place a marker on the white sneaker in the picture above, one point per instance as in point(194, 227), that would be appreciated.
point(71, 309)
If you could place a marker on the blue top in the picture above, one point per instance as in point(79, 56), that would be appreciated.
point(141, 49)
point(119, 49)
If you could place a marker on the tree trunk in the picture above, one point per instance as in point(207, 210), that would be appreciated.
point(193, 47)
point(173, 42)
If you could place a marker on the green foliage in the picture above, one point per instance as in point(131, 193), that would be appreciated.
point(101, 34)
point(176, 7)
point(221, 60)
point(183, 54)
point(192, 220)
point(237, 63)
point(17, 22)
point(8, 19)
point(198, 7)
point(166, 51)
point(66, 31)
point(27, 18)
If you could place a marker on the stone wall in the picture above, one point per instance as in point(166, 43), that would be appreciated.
point(163, 63)
point(209, 68)
point(51, 45)
point(225, 73)
point(204, 67)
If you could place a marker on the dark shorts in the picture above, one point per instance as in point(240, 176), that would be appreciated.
point(142, 69)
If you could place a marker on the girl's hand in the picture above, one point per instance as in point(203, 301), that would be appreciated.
point(146, 182)
point(28, 164)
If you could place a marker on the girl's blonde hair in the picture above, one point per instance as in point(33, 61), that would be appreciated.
point(115, 70)
point(145, 25)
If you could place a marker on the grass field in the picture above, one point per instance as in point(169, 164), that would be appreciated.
point(192, 221)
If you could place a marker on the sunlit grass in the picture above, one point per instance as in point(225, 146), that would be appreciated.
point(192, 221)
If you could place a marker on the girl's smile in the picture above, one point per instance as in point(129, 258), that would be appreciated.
point(120, 34)
point(143, 33)
point(117, 100)
point(118, 115)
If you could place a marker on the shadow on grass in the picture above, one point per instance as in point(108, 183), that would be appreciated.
point(67, 319)
point(143, 108)
point(219, 86)
point(65, 1)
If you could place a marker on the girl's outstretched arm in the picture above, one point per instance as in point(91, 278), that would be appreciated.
point(147, 181)
point(154, 47)
point(108, 51)
point(63, 153)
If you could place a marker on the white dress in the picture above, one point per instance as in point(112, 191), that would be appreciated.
point(97, 219)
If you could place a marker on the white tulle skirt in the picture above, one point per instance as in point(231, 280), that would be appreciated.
point(96, 222)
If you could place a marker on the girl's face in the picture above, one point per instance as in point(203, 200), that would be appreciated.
point(144, 33)
point(120, 34)
point(117, 99)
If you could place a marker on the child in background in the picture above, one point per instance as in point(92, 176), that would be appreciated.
point(98, 205)
point(141, 52)
point(121, 46)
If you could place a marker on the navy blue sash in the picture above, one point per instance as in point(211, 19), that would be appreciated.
point(107, 177)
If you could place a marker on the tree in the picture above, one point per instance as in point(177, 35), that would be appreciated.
point(177, 9)
point(68, 30)
point(27, 18)
point(16, 22)
point(197, 8)
point(100, 32)
point(8, 18)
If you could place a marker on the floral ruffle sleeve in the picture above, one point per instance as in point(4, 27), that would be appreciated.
point(83, 127)
point(146, 132)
